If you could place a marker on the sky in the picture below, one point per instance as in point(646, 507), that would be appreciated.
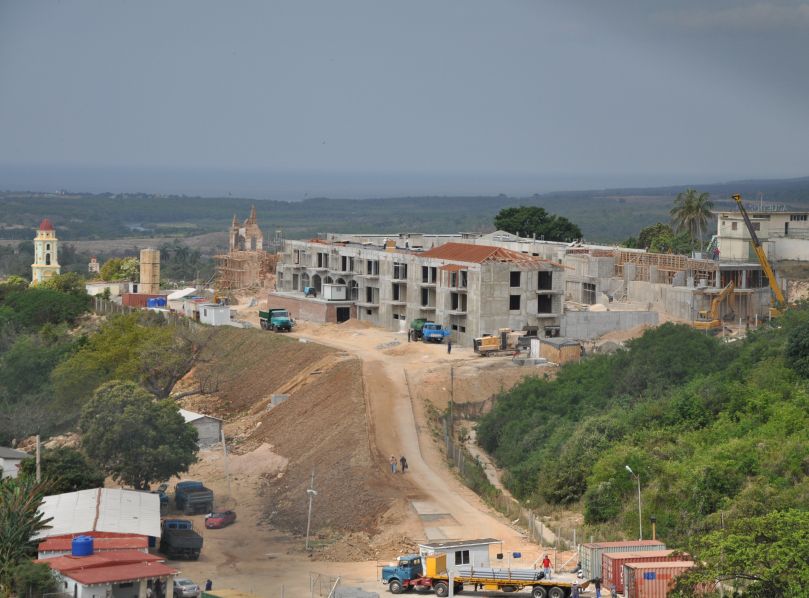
point(291, 97)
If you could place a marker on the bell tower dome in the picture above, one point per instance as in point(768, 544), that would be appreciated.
point(46, 253)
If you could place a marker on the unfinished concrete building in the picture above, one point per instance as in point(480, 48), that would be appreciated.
point(471, 289)
point(246, 264)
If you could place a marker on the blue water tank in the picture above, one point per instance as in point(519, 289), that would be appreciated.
point(151, 302)
point(161, 302)
point(82, 546)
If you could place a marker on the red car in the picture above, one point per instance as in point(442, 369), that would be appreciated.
point(220, 519)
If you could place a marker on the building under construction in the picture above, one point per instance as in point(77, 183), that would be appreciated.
point(246, 264)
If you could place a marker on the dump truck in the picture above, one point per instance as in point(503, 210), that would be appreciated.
point(433, 333)
point(178, 539)
point(277, 320)
point(430, 572)
point(416, 327)
point(193, 497)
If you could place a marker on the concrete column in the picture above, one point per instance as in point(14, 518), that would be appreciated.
point(142, 588)
point(169, 586)
point(744, 279)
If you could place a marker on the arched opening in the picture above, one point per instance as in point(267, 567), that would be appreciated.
point(328, 280)
point(317, 283)
point(341, 281)
point(47, 259)
point(304, 281)
point(252, 243)
point(47, 246)
point(354, 288)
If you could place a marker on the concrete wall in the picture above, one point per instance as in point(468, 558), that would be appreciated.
point(311, 310)
point(209, 431)
point(10, 467)
point(588, 325)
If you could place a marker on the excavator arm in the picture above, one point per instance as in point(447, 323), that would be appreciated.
point(762, 257)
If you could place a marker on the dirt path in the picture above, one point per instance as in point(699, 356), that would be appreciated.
point(446, 509)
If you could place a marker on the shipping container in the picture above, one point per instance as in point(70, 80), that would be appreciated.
point(137, 299)
point(612, 564)
point(590, 554)
point(652, 580)
point(334, 292)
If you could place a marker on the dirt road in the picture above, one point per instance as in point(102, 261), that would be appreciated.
point(446, 509)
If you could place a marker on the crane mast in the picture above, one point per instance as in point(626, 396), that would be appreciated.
point(762, 257)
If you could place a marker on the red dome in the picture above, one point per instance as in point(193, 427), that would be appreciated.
point(45, 224)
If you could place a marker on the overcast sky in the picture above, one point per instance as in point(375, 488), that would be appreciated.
point(708, 89)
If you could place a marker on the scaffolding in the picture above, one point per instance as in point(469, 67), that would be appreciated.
point(238, 270)
point(667, 265)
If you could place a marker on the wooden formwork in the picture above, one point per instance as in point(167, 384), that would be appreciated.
point(667, 265)
point(243, 269)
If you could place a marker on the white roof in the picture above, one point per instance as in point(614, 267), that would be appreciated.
point(102, 510)
point(182, 293)
point(190, 416)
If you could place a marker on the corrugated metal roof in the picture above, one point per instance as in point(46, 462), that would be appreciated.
point(104, 510)
point(181, 293)
point(627, 543)
point(10, 453)
point(453, 544)
point(104, 559)
point(121, 573)
point(190, 416)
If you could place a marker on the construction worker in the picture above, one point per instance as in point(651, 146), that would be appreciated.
point(449, 346)
point(546, 567)
point(392, 464)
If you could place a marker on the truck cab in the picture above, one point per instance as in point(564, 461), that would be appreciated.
point(398, 577)
point(433, 333)
point(275, 320)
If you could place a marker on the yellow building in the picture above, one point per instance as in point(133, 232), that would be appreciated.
point(46, 257)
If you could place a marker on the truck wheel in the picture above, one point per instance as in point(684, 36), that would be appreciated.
point(395, 586)
point(441, 589)
point(539, 592)
point(556, 592)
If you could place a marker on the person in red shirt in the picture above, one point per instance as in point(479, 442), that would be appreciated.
point(546, 567)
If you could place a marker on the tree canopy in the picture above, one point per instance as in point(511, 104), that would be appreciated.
point(120, 268)
point(135, 438)
point(532, 220)
point(66, 469)
point(691, 213)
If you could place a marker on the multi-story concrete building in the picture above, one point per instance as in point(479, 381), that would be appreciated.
point(472, 289)
point(784, 235)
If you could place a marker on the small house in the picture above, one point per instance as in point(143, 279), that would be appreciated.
point(10, 460)
point(209, 428)
point(462, 552)
point(176, 299)
point(214, 314)
point(99, 287)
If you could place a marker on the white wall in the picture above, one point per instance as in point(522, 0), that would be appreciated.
point(10, 467)
point(214, 315)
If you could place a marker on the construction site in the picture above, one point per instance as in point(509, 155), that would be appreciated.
point(247, 264)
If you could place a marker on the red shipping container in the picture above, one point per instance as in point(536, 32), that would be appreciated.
point(652, 580)
point(137, 299)
point(612, 564)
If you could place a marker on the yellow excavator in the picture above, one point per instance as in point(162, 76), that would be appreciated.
point(711, 319)
point(778, 301)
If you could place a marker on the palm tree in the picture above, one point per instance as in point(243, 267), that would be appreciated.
point(691, 213)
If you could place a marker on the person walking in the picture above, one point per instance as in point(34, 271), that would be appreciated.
point(403, 463)
point(392, 464)
point(575, 592)
point(208, 585)
point(597, 584)
point(613, 592)
point(449, 347)
point(546, 567)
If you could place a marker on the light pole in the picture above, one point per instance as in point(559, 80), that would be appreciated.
point(312, 493)
point(640, 513)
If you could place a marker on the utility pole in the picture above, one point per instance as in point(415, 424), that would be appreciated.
point(39, 469)
point(225, 453)
point(640, 513)
point(312, 493)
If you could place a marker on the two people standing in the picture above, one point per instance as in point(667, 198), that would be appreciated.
point(393, 464)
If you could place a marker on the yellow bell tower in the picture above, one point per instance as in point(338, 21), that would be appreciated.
point(46, 262)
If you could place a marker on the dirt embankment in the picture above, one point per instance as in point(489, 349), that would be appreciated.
point(320, 427)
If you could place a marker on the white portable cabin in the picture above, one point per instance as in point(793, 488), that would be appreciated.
point(462, 552)
point(10, 460)
point(214, 314)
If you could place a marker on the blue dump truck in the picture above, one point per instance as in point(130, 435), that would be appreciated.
point(277, 320)
point(424, 573)
point(433, 333)
point(178, 540)
point(192, 497)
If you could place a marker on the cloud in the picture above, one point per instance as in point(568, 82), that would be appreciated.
point(758, 16)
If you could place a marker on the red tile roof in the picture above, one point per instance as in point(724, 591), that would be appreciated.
point(45, 224)
point(100, 543)
point(120, 573)
point(66, 563)
point(477, 254)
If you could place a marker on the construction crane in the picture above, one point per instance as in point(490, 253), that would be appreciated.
point(710, 319)
point(779, 301)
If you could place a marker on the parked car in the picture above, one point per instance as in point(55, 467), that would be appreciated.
point(185, 588)
point(220, 519)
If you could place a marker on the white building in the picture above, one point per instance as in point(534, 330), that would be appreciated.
point(209, 428)
point(98, 287)
point(116, 574)
point(10, 460)
point(463, 552)
point(214, 314)
point(783, 235)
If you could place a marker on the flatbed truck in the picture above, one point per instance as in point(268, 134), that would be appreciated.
point(423, 573)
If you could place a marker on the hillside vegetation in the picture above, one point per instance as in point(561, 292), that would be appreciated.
point(718, 432)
